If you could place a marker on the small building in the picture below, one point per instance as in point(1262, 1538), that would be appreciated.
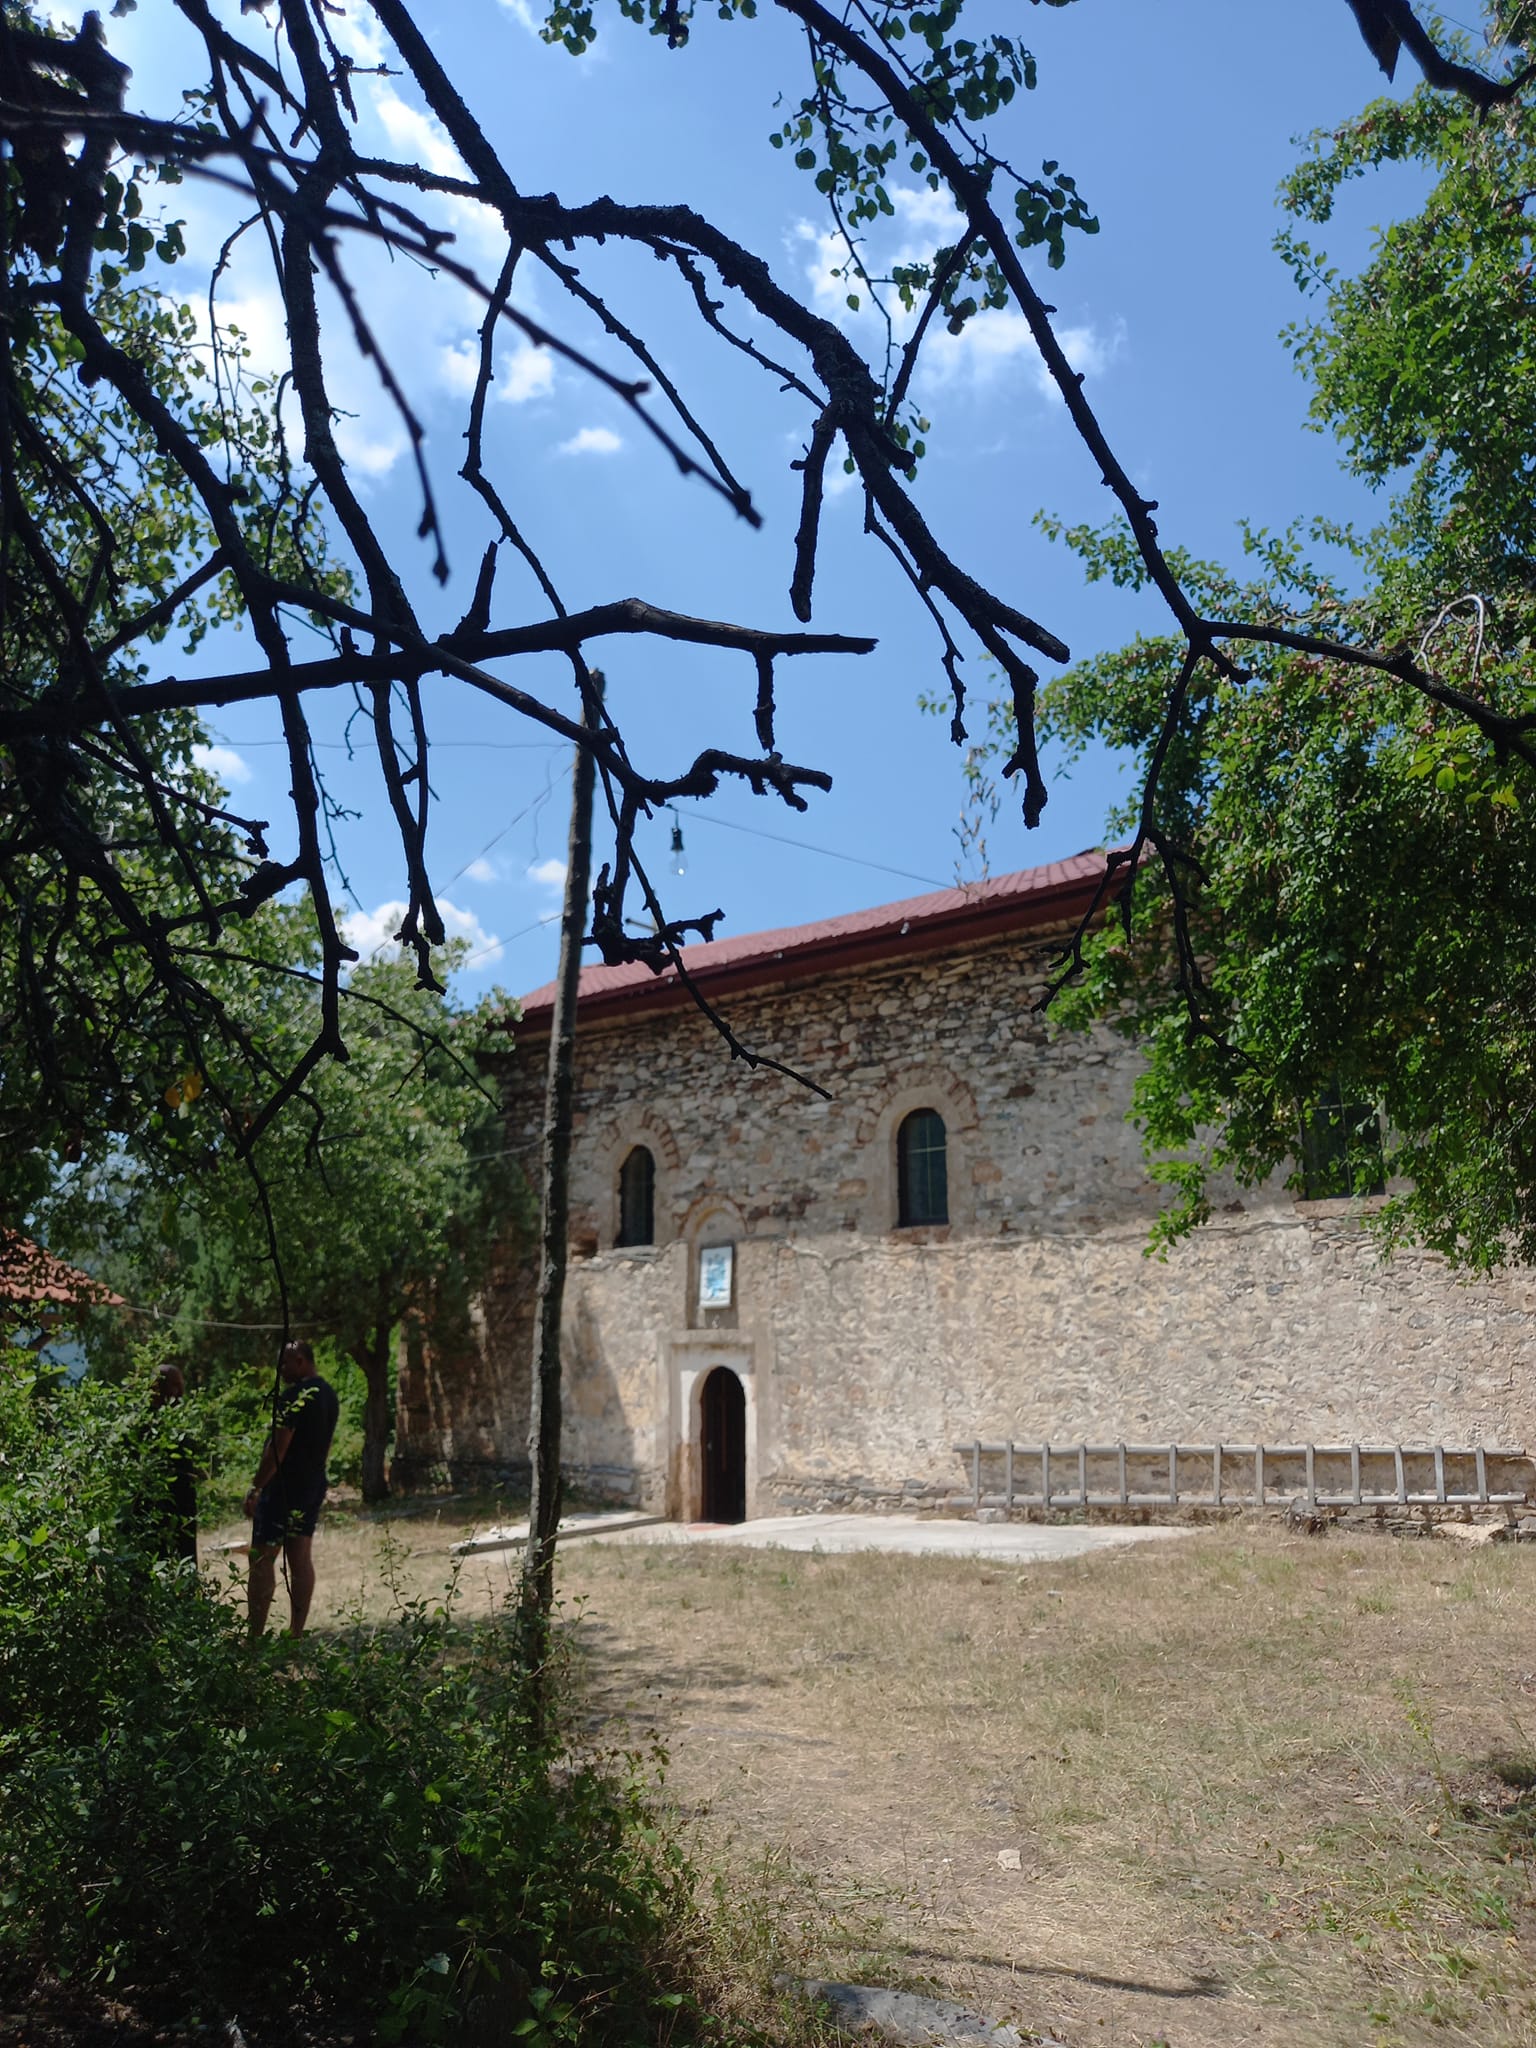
point(42, 1300)
point(780, 1298)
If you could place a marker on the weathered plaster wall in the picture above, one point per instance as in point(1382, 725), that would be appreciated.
point(869, 1352)
point(1263, 1329)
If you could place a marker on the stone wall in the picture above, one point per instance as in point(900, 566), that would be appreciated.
point(869, 1352)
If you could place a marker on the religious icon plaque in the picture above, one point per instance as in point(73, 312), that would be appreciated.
point(717, 1275)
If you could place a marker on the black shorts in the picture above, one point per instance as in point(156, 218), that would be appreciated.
point(280, 1516)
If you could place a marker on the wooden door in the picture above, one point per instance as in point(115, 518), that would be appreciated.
point(723, 1447)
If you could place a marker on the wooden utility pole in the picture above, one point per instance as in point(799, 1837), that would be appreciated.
point(538, 1588)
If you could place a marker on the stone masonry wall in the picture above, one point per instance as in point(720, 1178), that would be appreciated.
point(870, 1352)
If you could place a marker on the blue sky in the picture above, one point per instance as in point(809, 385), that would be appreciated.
point(1178, 121)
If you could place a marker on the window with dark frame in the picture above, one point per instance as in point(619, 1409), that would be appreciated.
point(922, 1170)
point(637, 1198)
point(1341, 1149)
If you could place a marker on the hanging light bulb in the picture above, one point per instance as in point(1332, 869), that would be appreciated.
point(679, 859)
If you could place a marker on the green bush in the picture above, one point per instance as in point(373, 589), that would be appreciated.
point(354, 1834)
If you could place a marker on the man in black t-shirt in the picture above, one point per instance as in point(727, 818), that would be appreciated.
point(285, 1497)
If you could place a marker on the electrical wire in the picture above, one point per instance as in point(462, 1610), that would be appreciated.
point(165, 1315)
point(730, 825)
point(804, 846)
point(497, 945)
point(496, 837)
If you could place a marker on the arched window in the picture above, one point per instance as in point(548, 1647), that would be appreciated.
point(637, 1198)
point(922, 1170)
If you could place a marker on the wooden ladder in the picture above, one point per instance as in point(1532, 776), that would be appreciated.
point(1087, 1475)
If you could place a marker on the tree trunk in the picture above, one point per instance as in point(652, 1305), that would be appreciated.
point(538, 1586)
point(372, 1355)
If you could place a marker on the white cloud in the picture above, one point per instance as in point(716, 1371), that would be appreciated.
point(480, 871)
point(530, 374)
point(836, 479)
point(988, 342)
point(459, 365)
point(417, 136)
point(370, 443)
point(223, 763)
point(591, 441)
point(369, 454)
point(549, 874)
point(997, 338)
point(372, 932)
point(359, 35)
point(992, 342)
point(925, 221)
point(1086, 349)
point(829, 253)
point(934, 214)
point(463, 924)
point(263, 323)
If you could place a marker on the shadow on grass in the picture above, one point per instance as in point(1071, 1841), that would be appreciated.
point(1196, 1987)
point(610, 1666)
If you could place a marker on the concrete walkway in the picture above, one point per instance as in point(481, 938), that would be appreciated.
point(513, 1535)
point(907, 1535)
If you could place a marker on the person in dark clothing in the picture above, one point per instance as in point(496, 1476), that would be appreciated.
point(168, 1505)
point(286, 1495)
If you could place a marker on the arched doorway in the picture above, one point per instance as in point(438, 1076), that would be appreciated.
point(723, 1448)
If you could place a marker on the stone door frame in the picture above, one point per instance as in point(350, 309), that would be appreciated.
point(690, 1357)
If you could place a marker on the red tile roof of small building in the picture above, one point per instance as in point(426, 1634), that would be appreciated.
point(31, 1277)
point(1060, 891)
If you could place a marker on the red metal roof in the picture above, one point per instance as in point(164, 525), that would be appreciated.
point(31, 1277)
point(1061, 890)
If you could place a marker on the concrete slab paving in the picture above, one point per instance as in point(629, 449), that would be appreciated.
point(904, 1535)
point(513, 1535)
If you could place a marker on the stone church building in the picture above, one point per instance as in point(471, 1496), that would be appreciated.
point(778, 1300)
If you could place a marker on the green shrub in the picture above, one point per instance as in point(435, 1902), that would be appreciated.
point(351, 1834)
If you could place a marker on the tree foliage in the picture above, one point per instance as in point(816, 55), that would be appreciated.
point(380, 1193)
point(1421, 365)
point(1334, 891)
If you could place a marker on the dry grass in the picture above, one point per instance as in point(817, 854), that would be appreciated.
point(1263, 1788)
